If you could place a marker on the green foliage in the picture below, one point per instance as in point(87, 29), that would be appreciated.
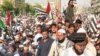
point(17, 10)
point(29, 9)
point(32, 10)
point(7, 6)
point(24, 8)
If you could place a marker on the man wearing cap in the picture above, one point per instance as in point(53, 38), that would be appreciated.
point(79, 47)
point(90, 46)
point(60, 44)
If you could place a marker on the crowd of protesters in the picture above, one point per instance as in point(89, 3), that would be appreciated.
point(42, 36)
point(47, 37)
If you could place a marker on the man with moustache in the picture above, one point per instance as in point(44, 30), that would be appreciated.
point(79, 47)
point(45, 43)
point(69, 12)
point(60, 44)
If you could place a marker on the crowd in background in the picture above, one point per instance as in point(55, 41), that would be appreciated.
point(46, 37)
point(43, 36)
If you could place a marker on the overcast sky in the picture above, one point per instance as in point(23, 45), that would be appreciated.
point(85, 3)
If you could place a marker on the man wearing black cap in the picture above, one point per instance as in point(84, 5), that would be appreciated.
point(79, 48)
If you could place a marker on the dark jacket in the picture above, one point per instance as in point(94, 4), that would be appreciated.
point(27, 54)
point(44, 48)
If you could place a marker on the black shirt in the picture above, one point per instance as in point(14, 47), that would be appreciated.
point(44, 48)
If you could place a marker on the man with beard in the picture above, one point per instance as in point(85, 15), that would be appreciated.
point(69, 12)
point(60, 44)
point(45, 44)
point(79, 48)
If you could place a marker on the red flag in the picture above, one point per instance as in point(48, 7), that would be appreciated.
point(48, 8)
point(8, 19)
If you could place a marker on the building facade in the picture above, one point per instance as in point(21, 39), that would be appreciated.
point(1, 2)
point(95, 5)
point(19, 3)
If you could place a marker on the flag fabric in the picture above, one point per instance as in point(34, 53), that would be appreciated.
point(92, 24)
point(13, 15)
point(48, 9)
point(35, 14)
point(3, 13)
point(8, 19)
point(2, 25)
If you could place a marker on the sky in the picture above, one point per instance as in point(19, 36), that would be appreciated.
point(85, 3)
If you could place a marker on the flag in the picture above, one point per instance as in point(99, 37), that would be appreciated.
point(48, 9)
point(35, 13)
point(92, 24)
point(3, 13)
point(2, 25)
point(13, 15)
point(8, 19)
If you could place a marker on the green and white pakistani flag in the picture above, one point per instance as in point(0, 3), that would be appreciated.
point(2, 25)
point(36, 13)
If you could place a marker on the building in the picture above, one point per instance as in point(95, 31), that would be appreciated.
point(95, 5)
point(95, 8)
point(1, 2)
point(19, 3)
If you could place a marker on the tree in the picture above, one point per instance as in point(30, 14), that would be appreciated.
point(39, 6)
point(7, 6)
point(32, 10)
point(27, 8)
point(17, 10)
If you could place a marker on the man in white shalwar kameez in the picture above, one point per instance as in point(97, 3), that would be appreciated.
point(60, 44)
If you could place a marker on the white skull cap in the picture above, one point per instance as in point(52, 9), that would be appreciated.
point(61, 31)
point(16, 55)
point(21, 45)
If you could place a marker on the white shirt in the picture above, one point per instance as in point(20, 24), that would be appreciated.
point(57, 48)
point(71, 52)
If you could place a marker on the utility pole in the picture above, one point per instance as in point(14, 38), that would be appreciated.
point(58, 7)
